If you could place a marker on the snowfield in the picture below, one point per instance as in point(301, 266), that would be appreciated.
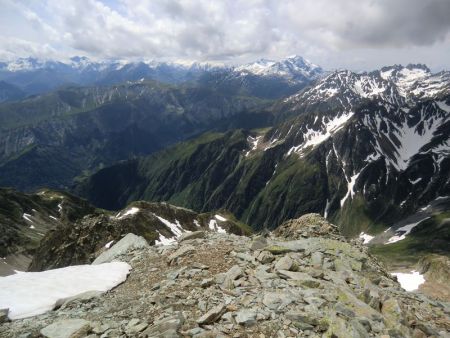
point(28, 294)
point(409, 281)
point(401, 233)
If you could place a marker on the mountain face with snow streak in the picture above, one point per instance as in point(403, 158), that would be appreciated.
point(365, 150)
point(382, 139)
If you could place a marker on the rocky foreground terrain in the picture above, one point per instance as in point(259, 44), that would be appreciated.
point(304, 279)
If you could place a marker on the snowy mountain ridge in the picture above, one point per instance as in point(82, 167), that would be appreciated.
point(409, 107)
point(264, 78)
point(264, 67)
point(399, 85)
point(292, 67)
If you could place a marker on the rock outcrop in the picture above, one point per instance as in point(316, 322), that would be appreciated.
point(82, 241)
point(129, 242)
point(216, 285)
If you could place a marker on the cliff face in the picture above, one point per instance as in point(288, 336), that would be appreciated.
point(25, 219)
point(296, 282)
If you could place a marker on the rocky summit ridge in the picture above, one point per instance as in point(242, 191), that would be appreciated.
point(303, 280)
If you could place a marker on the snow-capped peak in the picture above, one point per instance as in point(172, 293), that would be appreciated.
point(24, 64)
point(292, 67)
point(80, 62)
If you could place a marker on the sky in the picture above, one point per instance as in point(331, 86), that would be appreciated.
point(336, 34)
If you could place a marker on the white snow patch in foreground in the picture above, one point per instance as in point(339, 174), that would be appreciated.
point(366, 237)
point(409, 281)
point(215, 227)
point(130, 211)
point(402, 232)
point(220, 218)
point(32, 293)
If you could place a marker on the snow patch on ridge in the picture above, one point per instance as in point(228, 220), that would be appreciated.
point(163, 240)
point(174, 227)
point(254, 142)
point(220, 218)
point(216, 227)
point(130, 211)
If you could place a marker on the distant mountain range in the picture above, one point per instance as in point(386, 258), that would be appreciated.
point(264, 78)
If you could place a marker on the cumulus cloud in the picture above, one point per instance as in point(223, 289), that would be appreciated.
point(332, 32)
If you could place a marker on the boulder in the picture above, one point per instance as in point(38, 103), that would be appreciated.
point(286, 263)
point(258, 243)
point(83, 297)
point(277, 300)
point(265, 257)
point(166, 327)
point(277, 249)
point(316, 259)
point(67, 328)
point(212, 315)
point(129, 242)
point(246, 317)
point(392, 312)
point(234, 273)
point(184, 250)
point(191, 235)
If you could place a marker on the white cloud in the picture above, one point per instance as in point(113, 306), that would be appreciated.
point(334, 33)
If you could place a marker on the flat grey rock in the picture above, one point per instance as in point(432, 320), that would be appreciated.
point(246, 317)
point(129, 242)
point(191, 235)
point(85, 296)
point(67, 328)
point(212, 315)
